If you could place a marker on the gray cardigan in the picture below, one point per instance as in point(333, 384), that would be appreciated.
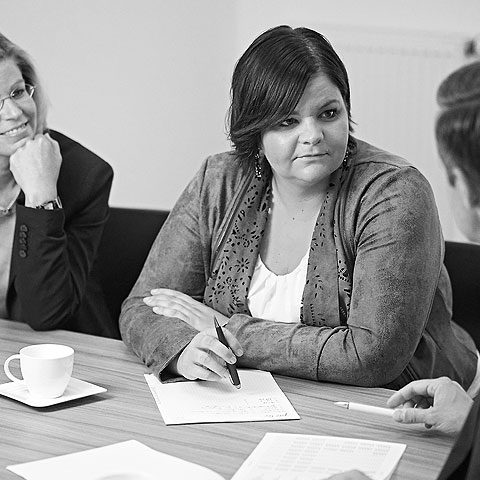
point(376, 308)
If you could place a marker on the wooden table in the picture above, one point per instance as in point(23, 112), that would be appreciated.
point(128, 411)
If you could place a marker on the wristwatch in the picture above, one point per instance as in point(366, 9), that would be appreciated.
point(54, 204)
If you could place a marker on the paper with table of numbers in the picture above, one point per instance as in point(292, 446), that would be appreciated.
point(283, 456)
point(259, 399)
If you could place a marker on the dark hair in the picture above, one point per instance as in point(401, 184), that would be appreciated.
point(270, 78)
point(458, 125)
point(11, 51)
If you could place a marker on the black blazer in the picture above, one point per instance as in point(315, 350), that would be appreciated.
point(53, 281)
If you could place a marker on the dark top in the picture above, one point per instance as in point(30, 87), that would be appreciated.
point(53, 282)
point(464, 460)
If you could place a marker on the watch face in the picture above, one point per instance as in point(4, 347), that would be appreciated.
point(51, 205)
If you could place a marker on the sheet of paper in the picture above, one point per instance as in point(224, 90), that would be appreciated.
point(259, 399)
point(283, 456)
point(130, 460)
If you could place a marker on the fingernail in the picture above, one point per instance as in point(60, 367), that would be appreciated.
point(154, 291)
point(240, 352)
point(148, 300)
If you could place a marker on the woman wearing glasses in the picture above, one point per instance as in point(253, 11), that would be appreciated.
point(53, 206)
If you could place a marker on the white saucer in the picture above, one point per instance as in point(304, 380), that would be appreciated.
point(75, 389)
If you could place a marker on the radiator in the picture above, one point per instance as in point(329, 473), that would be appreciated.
point(394, 76)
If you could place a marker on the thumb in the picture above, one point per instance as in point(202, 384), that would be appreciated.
point(410, 415)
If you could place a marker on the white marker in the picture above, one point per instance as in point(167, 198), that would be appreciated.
point(360, 407)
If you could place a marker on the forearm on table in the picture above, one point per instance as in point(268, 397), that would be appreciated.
point(155, 339)
point(357, 356)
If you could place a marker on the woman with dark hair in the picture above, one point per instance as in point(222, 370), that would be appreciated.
point(321, 254)
point(53, 206)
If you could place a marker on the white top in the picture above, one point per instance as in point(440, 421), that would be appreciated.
point(277, 297)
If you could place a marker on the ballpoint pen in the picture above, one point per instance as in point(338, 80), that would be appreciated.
point(387, 412)
point(232, 369)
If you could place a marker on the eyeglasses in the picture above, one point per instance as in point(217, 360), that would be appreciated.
point(19, 94)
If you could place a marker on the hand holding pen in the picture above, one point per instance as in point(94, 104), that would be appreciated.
point(206, 357)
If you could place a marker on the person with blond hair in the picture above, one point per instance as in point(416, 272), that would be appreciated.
point(53, 207)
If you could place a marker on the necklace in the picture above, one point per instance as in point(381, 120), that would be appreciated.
point(5, 211)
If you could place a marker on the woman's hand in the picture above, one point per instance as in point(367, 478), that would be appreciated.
point(205, 357)
point(35, 167)
point(177, 304)
point(444, 405)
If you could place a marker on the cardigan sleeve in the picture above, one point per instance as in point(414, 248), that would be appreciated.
point(397, 245)
point(176, 261)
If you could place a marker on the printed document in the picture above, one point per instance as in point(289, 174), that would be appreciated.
point(259, 399)
point(284, 456)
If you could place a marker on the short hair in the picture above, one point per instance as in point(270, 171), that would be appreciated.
point(458, 125)
point(11, 51)
point(270, 78)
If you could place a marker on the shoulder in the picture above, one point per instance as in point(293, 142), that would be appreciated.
point(374, 168)
point(223, 172)
point(79, 160)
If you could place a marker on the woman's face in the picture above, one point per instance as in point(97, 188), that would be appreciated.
point(310, 144)
point(18, 120)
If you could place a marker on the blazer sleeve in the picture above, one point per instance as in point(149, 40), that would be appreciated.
point(54, 250)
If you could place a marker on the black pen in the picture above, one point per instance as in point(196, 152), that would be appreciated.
point(232, 370)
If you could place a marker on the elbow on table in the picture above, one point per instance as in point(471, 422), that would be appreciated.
point(379, 370)
point(45, 319)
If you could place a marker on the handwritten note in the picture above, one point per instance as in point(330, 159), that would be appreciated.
point(281, 456)
point(259, 399)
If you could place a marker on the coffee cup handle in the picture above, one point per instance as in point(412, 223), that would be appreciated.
point(9, 374)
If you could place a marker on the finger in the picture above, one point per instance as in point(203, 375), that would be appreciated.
point(167, 292)
point(408, 392)
point(233, 343)
point(423, 403)
point(199, 372)
point(191, 369)
point(211, 362)
point(171, 312)
point(214, 345)
point(162, 300)
point(410, 415)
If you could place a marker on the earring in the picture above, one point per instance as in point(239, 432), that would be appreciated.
point(348, 152)
point(258, 166)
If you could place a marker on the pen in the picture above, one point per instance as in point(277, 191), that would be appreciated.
point(232, 370)
point(386, 412)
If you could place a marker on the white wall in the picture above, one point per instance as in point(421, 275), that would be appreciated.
point(134, 81)
point(145, 83)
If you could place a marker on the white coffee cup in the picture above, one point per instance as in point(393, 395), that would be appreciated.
point(46, 369)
